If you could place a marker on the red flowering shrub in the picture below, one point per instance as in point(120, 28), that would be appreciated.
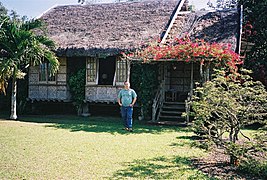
point(186, 50)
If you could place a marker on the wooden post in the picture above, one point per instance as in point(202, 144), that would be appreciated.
point(208, 72)
point(128, 70)
point(201, 73)
point(192, 79)
point(190, 93)
point(164, 81)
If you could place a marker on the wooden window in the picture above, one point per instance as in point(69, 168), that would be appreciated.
point(44, 73)
point(121, 71)
point(91, 71)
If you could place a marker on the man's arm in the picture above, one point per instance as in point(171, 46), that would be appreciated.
point(133, 102)
point(119, 98)
point(119, 101)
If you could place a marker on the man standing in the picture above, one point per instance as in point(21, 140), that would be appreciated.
point(126, 99)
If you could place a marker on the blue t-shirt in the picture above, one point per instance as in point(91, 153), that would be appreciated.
point(127, 96)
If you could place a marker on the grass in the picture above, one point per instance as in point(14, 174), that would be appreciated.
point(94, 148)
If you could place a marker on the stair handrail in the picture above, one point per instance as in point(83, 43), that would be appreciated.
point(188, 106)
point(158, 101)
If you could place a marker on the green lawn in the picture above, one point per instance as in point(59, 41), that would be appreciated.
point(94, 148)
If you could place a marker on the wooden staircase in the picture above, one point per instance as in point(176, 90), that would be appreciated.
point(172, 111)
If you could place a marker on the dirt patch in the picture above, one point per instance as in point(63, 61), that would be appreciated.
point(216, 164)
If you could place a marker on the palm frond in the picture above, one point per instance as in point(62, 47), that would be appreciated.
point(46, 41)
point(21, 46)
point(32, 24)
point(54, 63)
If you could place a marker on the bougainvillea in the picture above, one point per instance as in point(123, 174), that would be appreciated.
point(186, 50)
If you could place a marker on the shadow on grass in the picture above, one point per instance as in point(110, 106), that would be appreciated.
point(192, 141)
point(160, 168)
point(98, 124)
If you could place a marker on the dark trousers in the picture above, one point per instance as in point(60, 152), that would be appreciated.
point(126, 114)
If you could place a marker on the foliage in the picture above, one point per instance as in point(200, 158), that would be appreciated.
point(254, 155)
point(226, 104)
point(3, 10)
point(144, 80)
point(77, 90)
point(254, 168)
point(186, 50)
point(255, 32)
point(224, 4)
point(20, 48)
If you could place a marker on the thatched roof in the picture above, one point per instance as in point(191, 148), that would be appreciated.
point(217, 26)
point(107, 29)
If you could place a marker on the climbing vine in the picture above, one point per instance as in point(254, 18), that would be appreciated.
point(144, 80)
point(77, 90)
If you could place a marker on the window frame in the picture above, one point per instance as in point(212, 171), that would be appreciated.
point(44, 74)
point(120, 75)
point(121, 71)
point(92, 72)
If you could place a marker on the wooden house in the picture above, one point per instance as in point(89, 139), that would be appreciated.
point(93, 37)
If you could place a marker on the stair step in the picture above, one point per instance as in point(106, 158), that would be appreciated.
point(169, 123)
point(171, 117)
point(174, 103)
point(173, 107)
point(172, 112)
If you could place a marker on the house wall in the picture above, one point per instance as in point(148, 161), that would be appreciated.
point(102, 93)
point(58, 90)
point(54, 90)
point(178, 76)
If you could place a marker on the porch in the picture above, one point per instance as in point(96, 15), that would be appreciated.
point(177, 81)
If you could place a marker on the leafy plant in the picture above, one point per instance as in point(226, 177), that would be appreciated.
point(226, 104)
point(145, 81)
point(20, 48)
point(255, 33)
point(254, 157)
point(77, 90)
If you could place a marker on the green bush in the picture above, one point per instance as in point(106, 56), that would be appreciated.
point(226, 104)
point(254, 168)
point(144, 80)
point(77, 90)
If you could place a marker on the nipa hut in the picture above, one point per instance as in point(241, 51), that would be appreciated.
point(93, 37)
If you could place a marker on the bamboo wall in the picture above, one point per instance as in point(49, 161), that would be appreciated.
point(50, 90)
point(102, 93)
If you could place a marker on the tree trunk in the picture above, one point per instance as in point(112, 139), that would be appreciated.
point(233, 160)
point(231, 134)
point(13, 114)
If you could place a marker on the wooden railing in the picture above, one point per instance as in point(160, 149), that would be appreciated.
point(187, 107)
point(190, 94)
point(158, 101)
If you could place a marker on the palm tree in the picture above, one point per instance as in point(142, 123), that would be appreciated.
point(20, 47)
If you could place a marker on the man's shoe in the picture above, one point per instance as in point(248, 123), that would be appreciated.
point(127, 129)
point(130, 130)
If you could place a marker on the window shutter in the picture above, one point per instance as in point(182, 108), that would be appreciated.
point(121, 71)
point(44, 73)
point(91, 71)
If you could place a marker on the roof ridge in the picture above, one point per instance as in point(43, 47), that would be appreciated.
point(178, 8)
point(46, 11)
